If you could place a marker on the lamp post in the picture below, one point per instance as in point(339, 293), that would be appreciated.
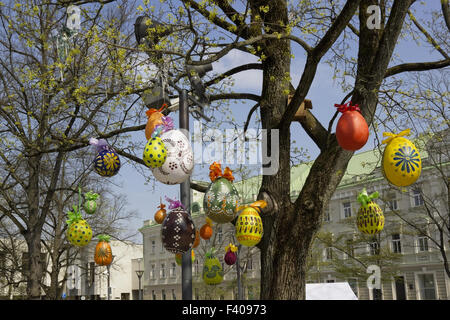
point(143, 30)
point(238, 276)
point(139, 274)
point(108, 267)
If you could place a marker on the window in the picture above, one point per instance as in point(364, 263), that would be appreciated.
point(347, 209)
point(219, 234)
point(173, 270)
point(326, 216)
point(162, 248)
point(163, 294)
point(250, 264)
point(153, 246)
point(174, 296)
point(396, 244)
point(423, 244)
point(196, 267)
point(392, 201)
point(374, 248)
point(330, 281)
point(152, 271)
point(162, 272)
point(328, 253)
point(426, 287)
point(418, 199)
point(153, 295)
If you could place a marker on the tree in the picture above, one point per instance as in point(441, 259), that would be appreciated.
point(205, 33)
point(53, 98)
point(267, 29)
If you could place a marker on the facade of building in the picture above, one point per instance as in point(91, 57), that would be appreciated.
point(87, 280)
point(416, 270)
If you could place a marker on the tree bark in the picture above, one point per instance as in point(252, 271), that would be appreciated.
point(289, 232)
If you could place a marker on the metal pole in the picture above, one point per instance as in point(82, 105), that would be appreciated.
point(109, 289)
point(140, 293)
point(238, 267)
point(185, 195)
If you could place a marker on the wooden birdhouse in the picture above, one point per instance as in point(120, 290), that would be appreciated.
point(301, 112)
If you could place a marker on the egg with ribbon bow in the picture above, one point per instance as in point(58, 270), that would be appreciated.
point(230, 254)
point(178, 229)
point(402, 164)
point(221, 199)
point(352, 130)
point(212, 269)
point(90, 202)
point(370, 218)
point(249, 226)
point(107, 162)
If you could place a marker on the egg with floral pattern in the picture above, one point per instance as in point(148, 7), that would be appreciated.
point(221, 201)
point(402, 164)
point(155, 153)
point(107, 163)
point(179, 161)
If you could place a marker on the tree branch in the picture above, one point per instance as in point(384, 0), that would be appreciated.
point(418, 66)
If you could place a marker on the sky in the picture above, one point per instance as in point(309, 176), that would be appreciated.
point(324, 93)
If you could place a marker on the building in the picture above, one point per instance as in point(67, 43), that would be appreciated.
point(418, 273)
point(87, 280)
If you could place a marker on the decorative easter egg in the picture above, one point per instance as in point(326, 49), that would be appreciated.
point(103, 253)
point(221, 201)
point(197, 239)
point(249, 227)
point(154, 153)
point(206, 230)
point(107, 163)
point(178, 231)
point(161, 214)
point(212, 269)
point(402, 164)
point(230, 254)
point(352, 130)
point(155, 117)
point(79, 233)
point(370, 218)
point(90, 206)
point(179, 257)
point(180, 160)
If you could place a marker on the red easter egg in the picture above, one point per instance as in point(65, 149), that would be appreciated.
point(352, 130)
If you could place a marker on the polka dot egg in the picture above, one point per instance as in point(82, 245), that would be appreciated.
point(155, 153)
point(79, 233)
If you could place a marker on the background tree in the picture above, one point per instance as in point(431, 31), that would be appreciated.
point(96, 97)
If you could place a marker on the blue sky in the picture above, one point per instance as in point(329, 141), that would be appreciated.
point(324, 93)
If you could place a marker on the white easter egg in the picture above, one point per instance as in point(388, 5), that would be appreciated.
point(180, 160)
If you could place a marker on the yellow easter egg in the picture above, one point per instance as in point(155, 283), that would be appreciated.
point(249, 227)
point(155, 153)
point(370, 219)
point(401, 162)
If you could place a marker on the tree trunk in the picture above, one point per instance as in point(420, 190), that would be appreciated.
point(289, 231)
